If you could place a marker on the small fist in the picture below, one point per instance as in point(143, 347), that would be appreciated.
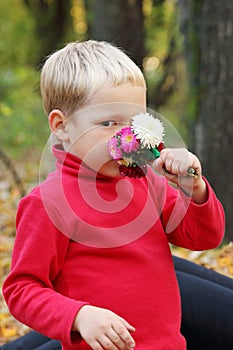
point(182, 168)
point(103, 329)
point(174, 163)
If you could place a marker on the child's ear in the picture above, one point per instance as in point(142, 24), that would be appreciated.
point(57, 125)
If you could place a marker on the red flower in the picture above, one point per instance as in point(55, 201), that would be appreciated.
point(160, 146)
point(135, 171)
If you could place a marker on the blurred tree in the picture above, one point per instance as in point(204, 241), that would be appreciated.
point(119, 22)
point(134, 26)
point(21, 110)
point(11, 168)
point(122, 22)
point(160, 65)
point(207, 28)
point(52, 24)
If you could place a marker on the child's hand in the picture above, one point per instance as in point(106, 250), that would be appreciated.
point(174, 165)
point(103, 329)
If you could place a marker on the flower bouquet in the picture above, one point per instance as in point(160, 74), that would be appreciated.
point(133, 147)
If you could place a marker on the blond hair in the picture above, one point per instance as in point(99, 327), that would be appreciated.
point(72, 75)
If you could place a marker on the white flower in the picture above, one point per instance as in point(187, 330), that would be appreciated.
point(148, 130)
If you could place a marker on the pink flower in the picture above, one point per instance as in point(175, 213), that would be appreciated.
point(114, 149)
point(129, 142)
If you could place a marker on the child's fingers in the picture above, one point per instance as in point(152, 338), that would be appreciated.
point(95, 345)
point(115, 339)
point(107, 343)
point(127, 325)
point(176, 162)
point(158, 166)
point(122, 330)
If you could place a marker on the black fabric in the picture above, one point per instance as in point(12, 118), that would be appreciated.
point(32, 341)
point(207, 307)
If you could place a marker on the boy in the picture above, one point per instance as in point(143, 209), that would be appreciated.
point(91, 265)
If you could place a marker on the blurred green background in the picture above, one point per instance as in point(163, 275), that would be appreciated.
point(25, 42)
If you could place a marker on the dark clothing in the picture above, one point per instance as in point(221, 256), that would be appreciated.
point(207, 307)
point(32, 341)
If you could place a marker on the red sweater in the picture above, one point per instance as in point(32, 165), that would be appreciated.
point(111, 251)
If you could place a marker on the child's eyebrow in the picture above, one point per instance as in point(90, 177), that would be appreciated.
point(113, 116)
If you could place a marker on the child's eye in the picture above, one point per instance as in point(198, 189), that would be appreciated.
point(109, 123)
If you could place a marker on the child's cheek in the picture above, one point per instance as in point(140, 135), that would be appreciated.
point(97, 155)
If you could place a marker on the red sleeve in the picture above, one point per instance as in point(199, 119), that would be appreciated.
point(38, 255)
point(193, 226)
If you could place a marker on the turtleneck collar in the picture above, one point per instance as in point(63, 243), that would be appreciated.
point(70, 165)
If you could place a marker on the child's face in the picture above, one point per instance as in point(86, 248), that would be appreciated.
point(89, 130)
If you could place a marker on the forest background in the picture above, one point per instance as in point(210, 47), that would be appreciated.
point(184, 48)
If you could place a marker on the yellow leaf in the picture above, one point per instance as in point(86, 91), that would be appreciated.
point(222, 262)
point(8, 331)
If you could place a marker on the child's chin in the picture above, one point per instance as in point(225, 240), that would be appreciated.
point(111, 169)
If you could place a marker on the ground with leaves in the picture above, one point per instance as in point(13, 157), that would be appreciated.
point(10, 193)
point(220, 260)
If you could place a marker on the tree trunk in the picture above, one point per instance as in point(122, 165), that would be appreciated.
point(11, 168)
point(210, 29)
point(52, 23)
point(121, 23)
